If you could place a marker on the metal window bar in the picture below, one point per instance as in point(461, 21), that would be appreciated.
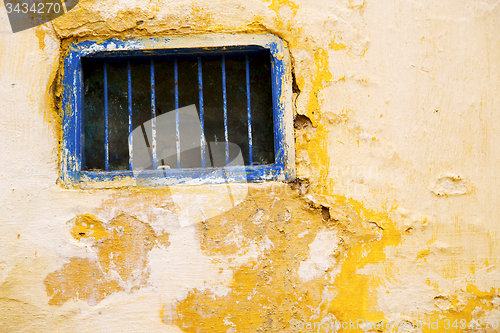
point(130, 128)
point(224, 99)
point(106, 133)
point(202, 122)
point(249, 111)
point(153, 114)
point(177, 133)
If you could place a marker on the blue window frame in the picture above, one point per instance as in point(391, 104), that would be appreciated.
point(75, 171)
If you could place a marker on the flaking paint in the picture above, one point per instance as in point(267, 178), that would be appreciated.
point(419, 236)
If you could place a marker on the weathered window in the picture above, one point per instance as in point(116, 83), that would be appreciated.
point(163, 113)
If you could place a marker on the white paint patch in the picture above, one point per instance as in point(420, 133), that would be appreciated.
point(183, 267)
point(120, 313)
point(449, 185)
point(320, 255)
point(194, 206)
point(302, 234)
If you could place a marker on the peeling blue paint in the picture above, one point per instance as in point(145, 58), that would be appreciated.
point(72, 156)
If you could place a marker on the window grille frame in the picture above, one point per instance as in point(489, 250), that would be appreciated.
point(71, 83)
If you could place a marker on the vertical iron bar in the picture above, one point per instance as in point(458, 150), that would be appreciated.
point(80, 120)
point(106, 134)
point(249, 112)
point(153, 114)
point(225, 108)
point(202, 121)
point(177, 133)
point(130, 129)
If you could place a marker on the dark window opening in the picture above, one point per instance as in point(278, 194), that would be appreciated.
point(231, 92)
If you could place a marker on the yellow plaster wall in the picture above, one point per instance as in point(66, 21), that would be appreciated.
point(394, 216)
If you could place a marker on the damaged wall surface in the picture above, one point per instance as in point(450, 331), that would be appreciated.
point(393, 216)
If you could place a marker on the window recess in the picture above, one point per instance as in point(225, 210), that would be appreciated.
point(157, 112)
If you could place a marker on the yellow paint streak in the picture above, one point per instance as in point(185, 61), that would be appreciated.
point(321, 77)
point(88, 226)
point(472, 289)
point(277, 4)
point(423, 253)
point(128, 19)
point(163, 314)
point(317, 145)
point(203, 19)
point(285, 28)
point(40, 34)
point(337, 46)
point(357, 292)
